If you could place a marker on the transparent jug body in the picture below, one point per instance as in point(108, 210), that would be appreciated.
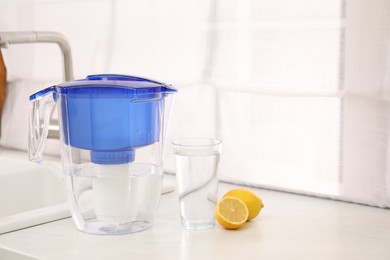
point(111, 149)
point(112, 199)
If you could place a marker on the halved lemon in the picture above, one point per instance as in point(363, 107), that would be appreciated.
point(231, 213)
point(251, 200)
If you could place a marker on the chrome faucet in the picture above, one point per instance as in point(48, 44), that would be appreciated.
point(10, 38)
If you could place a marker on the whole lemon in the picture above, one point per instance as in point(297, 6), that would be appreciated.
point(251, 200)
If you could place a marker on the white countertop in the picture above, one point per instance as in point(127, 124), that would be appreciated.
point(289, 227)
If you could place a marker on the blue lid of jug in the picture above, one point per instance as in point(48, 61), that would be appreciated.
point(110, 115)
point(132, 84)
point(116, 80)
point(112, 84)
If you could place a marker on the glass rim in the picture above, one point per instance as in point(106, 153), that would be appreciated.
point(188, 142)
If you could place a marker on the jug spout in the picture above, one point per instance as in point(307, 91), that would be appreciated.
point(41, 105)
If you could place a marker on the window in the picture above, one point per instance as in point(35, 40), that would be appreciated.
point(298, 90)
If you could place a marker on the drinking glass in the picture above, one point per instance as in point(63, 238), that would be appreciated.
point(196, 163)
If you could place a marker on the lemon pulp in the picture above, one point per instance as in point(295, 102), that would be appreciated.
point(231, 213)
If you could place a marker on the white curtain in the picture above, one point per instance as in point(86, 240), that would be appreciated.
point(296, 89)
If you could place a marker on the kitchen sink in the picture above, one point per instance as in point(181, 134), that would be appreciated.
point(30, 194)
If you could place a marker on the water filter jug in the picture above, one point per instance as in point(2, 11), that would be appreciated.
point(112, 134)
